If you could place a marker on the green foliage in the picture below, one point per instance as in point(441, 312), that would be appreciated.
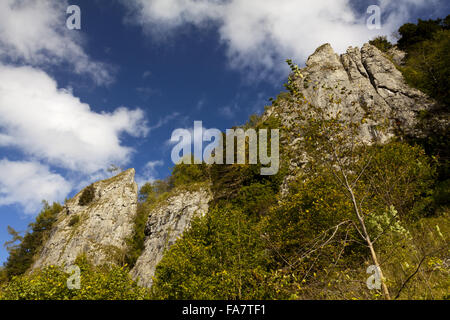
point(21, 254)
point(441, 196)
point(412, 34)
point(220, 257)
point(3, 276)
point(97, 283)
point(255, 199)
point(312, 207)
point(416, 263)
point(152, 190)
point(135, 244)
point(149, 194)
point(427, 66)
point(381, 43)
point(183, 174)
point(223, 255)
point(74, 220)
point(401, 176)
point(228, 180)
point(87, 196)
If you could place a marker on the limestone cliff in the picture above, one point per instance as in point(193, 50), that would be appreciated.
point(166, 223)
point(102, 226)
point(366, 79)
point(369, 87)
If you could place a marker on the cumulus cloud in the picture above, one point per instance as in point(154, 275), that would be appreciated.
point(28, 183)
point(260, 35)
point(51, 124)
point(149, 173)
point(34, 32)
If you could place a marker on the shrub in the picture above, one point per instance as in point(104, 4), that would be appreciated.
point(220, 257)
point(87, 196)
point(74, 220)
point(97, 283)
point(184, 174)
point(381, 43)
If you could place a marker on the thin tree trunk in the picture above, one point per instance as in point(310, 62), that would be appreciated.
point(370, 245)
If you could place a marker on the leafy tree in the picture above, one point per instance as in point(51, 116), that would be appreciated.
point(183, 174)
point(333, 144)
point(427, 66)
point(411, 34)
point(21, 254)
point(220, 257)
point(96, 283)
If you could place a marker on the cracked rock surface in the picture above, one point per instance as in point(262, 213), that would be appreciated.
point(102, 229)
point(165, 225)
point(369, 87)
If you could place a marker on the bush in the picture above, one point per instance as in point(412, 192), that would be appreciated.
point(135, 244)
point(183, 174)
point(220, 257)
point(74, 220)
point(87, 196)
point(97, 283)
point(381, 43)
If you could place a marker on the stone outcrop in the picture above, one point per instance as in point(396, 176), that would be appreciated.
point(366, 81)
point(167, 222)
point(369, 88)
point(101, 227)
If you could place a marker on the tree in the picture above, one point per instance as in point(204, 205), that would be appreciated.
point(97, 283)
point(332, 141)
point(183, 174)
point(411, 34)
point(220, 257)
point(381, 43)
point(427, 66)
point(21, 254)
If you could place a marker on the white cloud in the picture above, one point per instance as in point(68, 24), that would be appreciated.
point(163, 121)
point(28, 183)
point(260, 35)
point(34, 32)
point(51, 124)
point(149, 173)
point(146, 74)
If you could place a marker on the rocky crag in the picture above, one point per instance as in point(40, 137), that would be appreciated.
point(369, 88)
point(366, 80)
point(166, 223)
point(101, 227)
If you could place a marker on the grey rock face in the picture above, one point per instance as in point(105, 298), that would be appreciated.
point(166, 223)
point(369, 87)
point(372, 84)
point(103, 226)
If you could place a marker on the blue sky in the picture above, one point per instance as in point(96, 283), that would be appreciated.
point(72, 102)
